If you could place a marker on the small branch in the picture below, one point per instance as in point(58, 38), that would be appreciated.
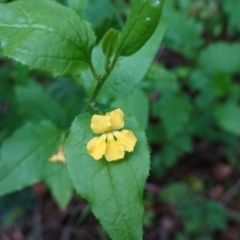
point(226, 198)
point(230, 193)
point(97, 77)
point(232, 213)
point(101, 81)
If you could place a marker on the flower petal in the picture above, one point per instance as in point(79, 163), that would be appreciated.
point(59, 157)
point(116, 118)
point(100, 124)
point(127, 139)
point(96, 147)
point(114, 150)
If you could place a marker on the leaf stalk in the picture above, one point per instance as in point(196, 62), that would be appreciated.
point(101, 81)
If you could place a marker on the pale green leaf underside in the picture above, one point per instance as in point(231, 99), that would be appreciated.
point(128, 72)
point(141, 23)
point(24, 155)
point(46, 36)
point(114, 189)
point(59, 183)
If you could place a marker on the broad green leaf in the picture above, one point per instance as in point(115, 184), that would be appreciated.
point(37, 105)
point(109, 42)
point(114, 189)
point(24, 155)
point(128, 72)
point(136, 103)
point(46, 36)
point(140, 25)
point(220, 57)
point(59, 183)
point(228, 117)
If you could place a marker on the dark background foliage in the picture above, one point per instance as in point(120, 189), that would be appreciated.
point(191, 93)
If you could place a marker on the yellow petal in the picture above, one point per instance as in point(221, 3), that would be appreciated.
point(100, 124)
point(116, 118)
point(114, 151)
point(127, 139)
point(96, 147)
point(59, 157)
point(53, 158)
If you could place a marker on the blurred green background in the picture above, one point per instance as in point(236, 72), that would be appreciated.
point(189, 105)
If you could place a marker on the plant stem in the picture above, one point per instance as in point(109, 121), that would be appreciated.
point(94, 72)
point(101, 81)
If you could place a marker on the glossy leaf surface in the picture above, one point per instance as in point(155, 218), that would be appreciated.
point(53, 39)
point(140, 25)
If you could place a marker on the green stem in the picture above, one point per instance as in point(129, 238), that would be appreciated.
point(95, 93)
point(101, 81)
point(94, 72)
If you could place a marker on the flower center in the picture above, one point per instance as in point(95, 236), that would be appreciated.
point(111, 135)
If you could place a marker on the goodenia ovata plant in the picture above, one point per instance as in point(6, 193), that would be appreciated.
point(106, 153)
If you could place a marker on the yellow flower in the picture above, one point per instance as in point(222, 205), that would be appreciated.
point(59, 157)
point(112, 143)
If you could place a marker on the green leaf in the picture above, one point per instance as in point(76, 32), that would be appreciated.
point(162, 80)
point(59, 183)
point(136, 103)
point(24, 155)
point(163, 161)
point(114, 189)
point(220, 57)
point(174, 112)
point(109, 42)
point(140, 25)
point(77, 5)
point(180, 236)
point(232, 10)
point(228, 117)
point(128, 72)
point(37, 105)
point(46, 36)
point(96, 11)
point(198, 80)
point(174, 192)
point(184, 34)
